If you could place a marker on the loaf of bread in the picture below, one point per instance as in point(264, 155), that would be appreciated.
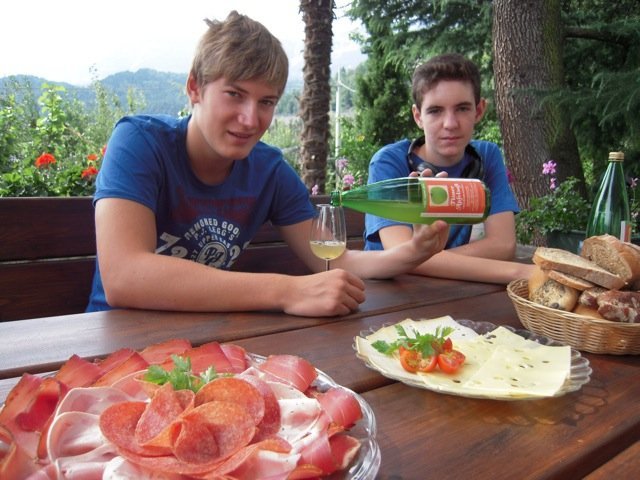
point(614, 255)
point(587, 311)
point(567, 262)
point(550, 293)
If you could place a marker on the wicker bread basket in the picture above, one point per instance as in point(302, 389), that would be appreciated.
point(581, 332)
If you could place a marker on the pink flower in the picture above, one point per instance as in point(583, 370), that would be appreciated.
point(348, 180)
point(315, 189)
point(552, 183)
point(342, 163)
point(634, 182)
point(549, 168)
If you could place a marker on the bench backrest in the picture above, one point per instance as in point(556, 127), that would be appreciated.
point(48, 247)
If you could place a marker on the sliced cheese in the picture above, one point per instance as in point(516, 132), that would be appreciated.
point(499, 364)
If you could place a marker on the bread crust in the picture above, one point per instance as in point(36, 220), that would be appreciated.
point(614, 255)
point(570, 280)
point(567, 262)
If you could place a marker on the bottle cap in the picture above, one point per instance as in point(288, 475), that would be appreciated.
point(616, 156)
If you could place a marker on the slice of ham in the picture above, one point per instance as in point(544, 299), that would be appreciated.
point(78, 372)
point(341, 406)
point(236, 355)
point(290, 369)
point(159, 352)
point(204, 356)
point(133, 363)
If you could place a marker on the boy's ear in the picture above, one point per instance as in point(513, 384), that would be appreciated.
point(193, 89)
point(415, 111)
point(481, 107)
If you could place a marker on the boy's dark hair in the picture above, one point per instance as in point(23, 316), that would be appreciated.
point(240, 48)
point(448, 66)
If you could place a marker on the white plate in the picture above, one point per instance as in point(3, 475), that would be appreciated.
point(578, 376)
point(365, 466)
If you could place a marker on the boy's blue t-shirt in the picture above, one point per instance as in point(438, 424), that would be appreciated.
point(391, 162)
point(146, 161)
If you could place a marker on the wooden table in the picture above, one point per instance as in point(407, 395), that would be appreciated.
point(421, 434)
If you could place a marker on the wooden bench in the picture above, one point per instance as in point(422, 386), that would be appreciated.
point(48, 248)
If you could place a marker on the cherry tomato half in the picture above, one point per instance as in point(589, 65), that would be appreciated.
point(451, 361)
point(413, 361)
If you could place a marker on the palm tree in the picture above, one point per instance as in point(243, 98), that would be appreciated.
point(315, 101)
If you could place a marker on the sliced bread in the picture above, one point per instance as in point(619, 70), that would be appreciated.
point(570, 280)
point(613, 255)
point(563, 261)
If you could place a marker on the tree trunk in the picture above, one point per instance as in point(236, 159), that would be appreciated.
point(315, 101)
point(527, 53)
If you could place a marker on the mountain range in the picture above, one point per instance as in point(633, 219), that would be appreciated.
point(163, 92)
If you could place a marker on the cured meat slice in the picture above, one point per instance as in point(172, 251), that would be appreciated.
point(341, 406)
point(133, 363)
point(114, 359)
point(90, 400)
point(74, 433)
point(118, 424)
point(290, 369)
point(270, 424)
point(203, 357)
point(42, 405)
point(236, 390)
point(15, 461)
point(236, 355)
point(344, 449)
point(78, 372)
point(270, 458)
point(165, 407)
point(229, 423)
point(300, 415)
point(159, 352)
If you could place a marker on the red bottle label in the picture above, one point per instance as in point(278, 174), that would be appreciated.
point(454, 197)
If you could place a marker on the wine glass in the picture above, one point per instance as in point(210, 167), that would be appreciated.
point(328, 237)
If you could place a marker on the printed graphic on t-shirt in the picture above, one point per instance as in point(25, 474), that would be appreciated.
point(206, 230)
point(208, 241)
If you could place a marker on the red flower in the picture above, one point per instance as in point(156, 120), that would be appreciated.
point(104, 150)
point(89, 172)
point(44, 160)
point(92, 157)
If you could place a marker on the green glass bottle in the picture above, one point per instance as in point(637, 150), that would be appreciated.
point(420, 199)
point(610, 209)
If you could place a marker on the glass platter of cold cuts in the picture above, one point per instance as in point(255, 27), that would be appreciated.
point(176, 412)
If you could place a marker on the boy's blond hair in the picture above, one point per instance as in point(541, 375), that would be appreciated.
point(240, 48)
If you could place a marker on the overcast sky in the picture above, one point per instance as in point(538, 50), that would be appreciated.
point(61, 40)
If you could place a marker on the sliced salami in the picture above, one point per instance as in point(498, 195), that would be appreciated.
point(235, 390)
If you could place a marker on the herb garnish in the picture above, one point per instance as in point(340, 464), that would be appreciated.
point(426, 344)
point(181, 377)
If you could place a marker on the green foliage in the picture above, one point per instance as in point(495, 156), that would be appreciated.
point(357, 149)
point(284, 133)
point(562, 210)
point(52, 146)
